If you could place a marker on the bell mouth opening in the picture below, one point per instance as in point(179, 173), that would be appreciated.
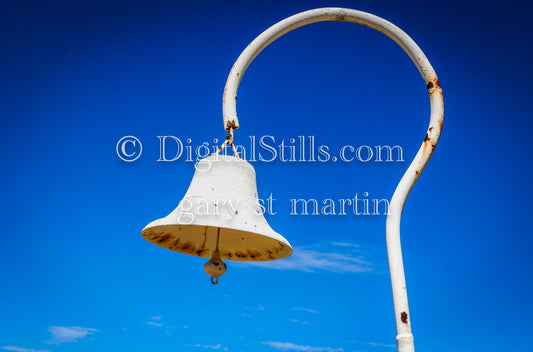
point(201, 241)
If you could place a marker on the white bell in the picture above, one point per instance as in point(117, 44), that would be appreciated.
point(220, 218)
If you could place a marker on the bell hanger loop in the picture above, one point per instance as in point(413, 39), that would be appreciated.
point(229, 141)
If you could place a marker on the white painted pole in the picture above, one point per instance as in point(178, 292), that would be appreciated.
point(404, 336)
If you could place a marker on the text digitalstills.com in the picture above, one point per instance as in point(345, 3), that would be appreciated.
point(261, 149)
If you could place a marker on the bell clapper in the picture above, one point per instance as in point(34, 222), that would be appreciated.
point(215, 267)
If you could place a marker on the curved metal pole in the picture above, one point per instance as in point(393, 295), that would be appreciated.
point(404, 338)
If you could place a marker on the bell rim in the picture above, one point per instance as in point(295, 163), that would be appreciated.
point(286, 251)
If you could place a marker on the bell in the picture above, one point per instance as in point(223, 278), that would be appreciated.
point(220, 217)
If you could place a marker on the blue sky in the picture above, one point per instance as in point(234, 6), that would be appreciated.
point(75, 273)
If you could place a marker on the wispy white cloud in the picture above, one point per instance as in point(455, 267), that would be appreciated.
point(212, 347)
point(153, 323)
point(345, 244)
point(305, 310)
point(21, 349)
point(299, 321)
point(62, 334)
point(289, 346)
point(337, 258)
point(380, 344)
point(157, 323)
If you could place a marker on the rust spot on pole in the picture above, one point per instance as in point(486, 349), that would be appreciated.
point(434, 83)
point(404, 317)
